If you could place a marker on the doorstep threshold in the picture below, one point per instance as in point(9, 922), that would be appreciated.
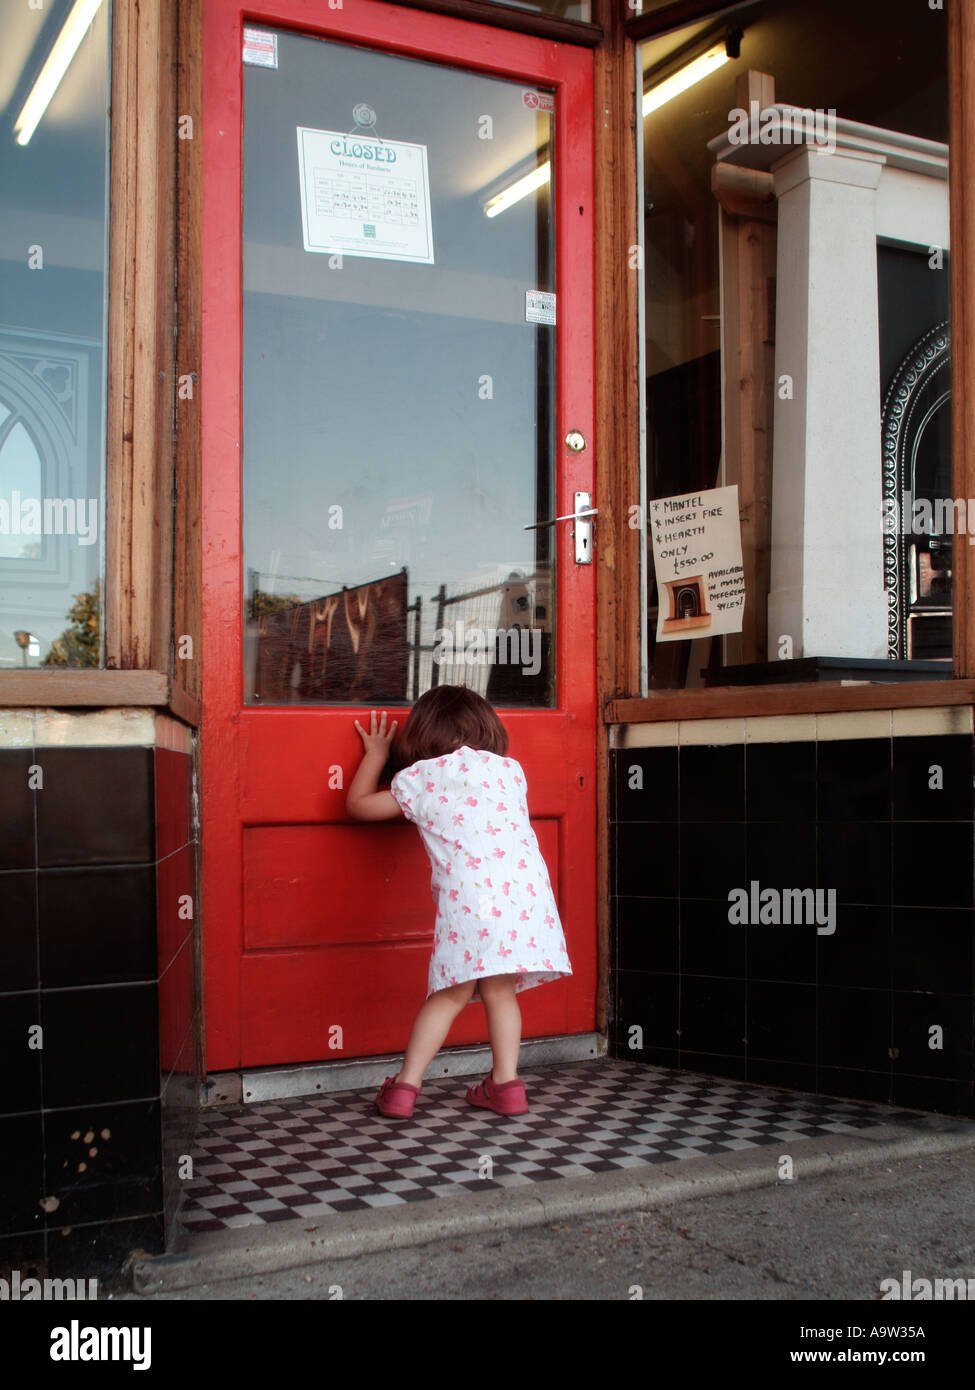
point(247, 1087)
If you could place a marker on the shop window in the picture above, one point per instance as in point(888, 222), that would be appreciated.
point(796, 343)
point(53, 278)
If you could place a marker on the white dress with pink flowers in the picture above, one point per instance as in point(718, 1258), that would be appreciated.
point(496, 913)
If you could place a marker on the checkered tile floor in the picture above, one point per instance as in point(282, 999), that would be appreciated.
point(292, 1159)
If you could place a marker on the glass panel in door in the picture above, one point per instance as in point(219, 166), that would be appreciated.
point(399, 379)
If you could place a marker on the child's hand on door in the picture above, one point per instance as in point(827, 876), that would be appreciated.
point(378, 741)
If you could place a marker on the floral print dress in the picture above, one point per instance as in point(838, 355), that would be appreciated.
point(496, 913)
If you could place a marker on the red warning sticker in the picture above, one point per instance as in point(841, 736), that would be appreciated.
point(539, 101)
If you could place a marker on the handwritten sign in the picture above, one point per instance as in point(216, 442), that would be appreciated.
point(697, 559)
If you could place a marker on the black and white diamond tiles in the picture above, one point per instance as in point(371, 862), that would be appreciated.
point(292, 1159)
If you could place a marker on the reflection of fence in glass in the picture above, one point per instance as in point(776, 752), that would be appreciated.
point(496, 640)
point(367, 644)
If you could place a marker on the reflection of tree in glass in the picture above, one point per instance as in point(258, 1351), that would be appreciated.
point(80, 644)
point(260, 604)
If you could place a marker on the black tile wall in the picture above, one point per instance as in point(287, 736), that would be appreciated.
point(21, 1171)
point(780, 782)
point(96, 926)
point(96, 962)
point(18, 929)
point(932, 778)
point(96, 806)
point(712, 858)
point(17, 843)
point(874, 997)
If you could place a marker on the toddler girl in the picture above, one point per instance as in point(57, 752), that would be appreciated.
point(497, 929)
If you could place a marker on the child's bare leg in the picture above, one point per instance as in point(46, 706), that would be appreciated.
point(430, 1029)
point(504, 1025)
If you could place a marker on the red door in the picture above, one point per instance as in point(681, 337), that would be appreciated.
point(397, 341)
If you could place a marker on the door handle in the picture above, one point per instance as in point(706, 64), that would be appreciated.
point(583, 529)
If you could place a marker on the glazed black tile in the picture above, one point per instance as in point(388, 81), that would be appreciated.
point(712, 782)
point(175, 896)
point(646, 863)
point(180, 1125)
point(21, 1173)
point(709, 943)
point(853, 779)
point(784, 952)
point(712, 1016)
point(858, 952)
point(931, 949)
point(99, 1251)
point(97, 926)
point(782, 854)
point(176, 1007)
point(646, 784)
point(715, 1064)
point(780, 781)
point(854, 859)
point(854, 1027)
point(922, 1019)
point(18, 930)
point(782, 1022)
point(712, 859)
point(24, 1251)
point(856, 1084)
point(648, 1003)
point(930, 1093)
point(100, 1045)
point(21, 1047)
point(17, 845)
point(646, 934)
point(792, 1076)
point(173, 804)
point(96, 807)
point(103, 1162)
point(933, 864)
point(932, 778)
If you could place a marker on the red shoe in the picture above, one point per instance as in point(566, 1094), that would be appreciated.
point(397, 1098)
point(507, 1099)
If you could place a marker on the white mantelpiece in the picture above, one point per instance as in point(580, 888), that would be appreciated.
point(826, 590)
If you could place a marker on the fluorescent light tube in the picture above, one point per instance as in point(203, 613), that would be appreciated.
point(59, 60)
point(518, 190)
point(685, 77)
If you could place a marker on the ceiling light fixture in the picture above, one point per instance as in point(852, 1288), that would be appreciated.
point(59, 60)
point(685, 77)
point(521, 189)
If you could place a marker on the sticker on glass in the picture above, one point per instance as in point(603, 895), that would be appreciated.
point(539, 307)
point(260, 48)
point(538, 101)
point(363, 196)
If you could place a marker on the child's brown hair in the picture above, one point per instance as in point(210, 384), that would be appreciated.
point(449, 717)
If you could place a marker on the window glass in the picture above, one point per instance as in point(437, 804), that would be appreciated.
point(53, 291)
point(399, 380)
point(796, 344)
